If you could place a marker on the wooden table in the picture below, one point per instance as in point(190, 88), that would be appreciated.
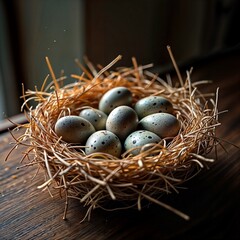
point(211, 199)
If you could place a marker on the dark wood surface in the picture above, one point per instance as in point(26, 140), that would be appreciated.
point(211, 199)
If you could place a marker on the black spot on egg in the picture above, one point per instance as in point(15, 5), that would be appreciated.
point(134, 141)
point(83, 124)
point(103, 143)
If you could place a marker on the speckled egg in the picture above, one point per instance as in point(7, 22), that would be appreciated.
point(139, 139)
point(74, 129)
point(104, 141)
point(163, 124)
point(122, 121)
point(96, 117)
point(115, 97)
point(153, 104)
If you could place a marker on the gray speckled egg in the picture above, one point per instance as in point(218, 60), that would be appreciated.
point(74, 129)
point(96, 117)
point(139, 139)
point(115, 97)
point(153, 104)
point(163, 124)
point(104, 141)
point(122, 121)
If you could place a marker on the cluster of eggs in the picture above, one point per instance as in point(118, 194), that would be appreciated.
point(118, 126)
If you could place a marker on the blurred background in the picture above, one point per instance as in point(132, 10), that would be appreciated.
point(64, 30)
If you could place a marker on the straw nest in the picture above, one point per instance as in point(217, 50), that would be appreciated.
point(97, 178)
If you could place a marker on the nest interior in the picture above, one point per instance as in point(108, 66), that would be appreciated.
point(99, 177)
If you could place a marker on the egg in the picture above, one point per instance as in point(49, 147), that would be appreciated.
point(153, 104)
point(115, 97)
point(96, 117)
point(163, 124)
point(74, 129)
point(139, 139)
point(122, 121)
point(104, 141)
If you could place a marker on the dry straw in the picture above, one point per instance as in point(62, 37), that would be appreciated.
point(97, 178)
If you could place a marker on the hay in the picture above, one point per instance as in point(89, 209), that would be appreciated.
point(97, 178)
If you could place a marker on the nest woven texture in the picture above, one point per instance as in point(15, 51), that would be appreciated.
point(99, 177)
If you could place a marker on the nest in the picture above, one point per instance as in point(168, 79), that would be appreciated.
point(98, 178)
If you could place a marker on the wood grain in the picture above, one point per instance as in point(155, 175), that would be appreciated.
point(211, 199)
